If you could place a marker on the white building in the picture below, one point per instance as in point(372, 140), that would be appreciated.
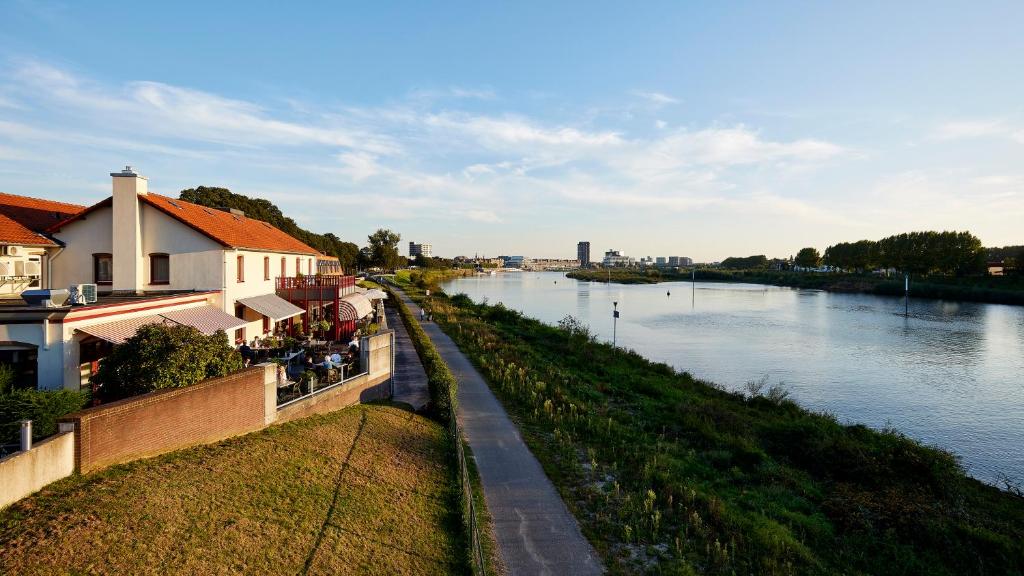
point(616, 259)
point(415, 249)
point(156, 259)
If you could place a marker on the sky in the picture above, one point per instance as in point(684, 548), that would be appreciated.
point(658, 128)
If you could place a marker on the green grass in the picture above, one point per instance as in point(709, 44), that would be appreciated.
point(670, 475)
point(367, 490)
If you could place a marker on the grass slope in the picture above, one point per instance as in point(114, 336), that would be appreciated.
point(367, 490)
point(669, 475)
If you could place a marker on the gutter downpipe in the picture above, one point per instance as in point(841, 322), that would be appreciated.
point(49, 267)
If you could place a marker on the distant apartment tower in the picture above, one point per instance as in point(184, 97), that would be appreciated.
point(583, 254)
point(419, 249)
point(675, 261)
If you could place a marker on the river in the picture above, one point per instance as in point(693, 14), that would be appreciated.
point(951, 374)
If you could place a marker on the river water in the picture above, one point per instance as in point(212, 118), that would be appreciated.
point(950, 375)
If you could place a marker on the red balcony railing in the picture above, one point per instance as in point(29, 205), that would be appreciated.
point(317, 281)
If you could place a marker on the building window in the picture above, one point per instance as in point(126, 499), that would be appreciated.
point(103, 268)
point(241, 268)
point(159, 269)
point(266, 267)
point(298, 266)
point(309, 266)
point(266, 325)
point(284, 267)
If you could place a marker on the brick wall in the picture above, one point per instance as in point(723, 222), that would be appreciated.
point(169, 419)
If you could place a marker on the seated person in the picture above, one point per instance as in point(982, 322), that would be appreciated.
point(336, 358)
point(246, 352)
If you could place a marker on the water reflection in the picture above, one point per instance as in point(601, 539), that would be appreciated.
point(948, 374)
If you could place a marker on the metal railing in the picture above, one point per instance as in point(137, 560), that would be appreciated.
point(314, 281)
point(300, 390)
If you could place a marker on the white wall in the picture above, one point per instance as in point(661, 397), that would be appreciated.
point(82, 239)
point(24, 473)
point(49, 353)
point(196, 260)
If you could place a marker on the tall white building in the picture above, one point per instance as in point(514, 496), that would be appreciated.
point(417, 249)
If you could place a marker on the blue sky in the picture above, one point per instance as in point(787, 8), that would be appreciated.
point(695, 129)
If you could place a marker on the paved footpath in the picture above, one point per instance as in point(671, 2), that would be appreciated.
point(410, 379)
point(535, 532)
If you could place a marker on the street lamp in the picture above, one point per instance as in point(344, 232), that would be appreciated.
point(615, 322)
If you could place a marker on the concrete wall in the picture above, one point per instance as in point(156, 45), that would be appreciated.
point(170, 419)
point(24, 473)
point(377, 352)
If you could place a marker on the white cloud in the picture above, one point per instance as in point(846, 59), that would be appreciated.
point(656, 98)
point(964, 129)
point(418, 161)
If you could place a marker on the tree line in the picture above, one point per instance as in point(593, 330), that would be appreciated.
point(347, 253)
point(959, 253)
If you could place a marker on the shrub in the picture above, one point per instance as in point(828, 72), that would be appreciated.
point(161, 356)
point(43, 408)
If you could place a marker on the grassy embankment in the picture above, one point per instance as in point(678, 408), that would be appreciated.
point(669, 475)
point(993, 289)
point(366, 490)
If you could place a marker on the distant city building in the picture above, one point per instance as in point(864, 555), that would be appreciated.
point(660, 261)
point(677, 261)
point(515, 261)
point(419, 249)
point(583, 254)
point(551, 264)
point(648, 261)
point(616, 259)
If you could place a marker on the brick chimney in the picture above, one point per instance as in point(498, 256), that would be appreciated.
point(127, 233)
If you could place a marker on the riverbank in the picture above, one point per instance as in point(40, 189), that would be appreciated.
point(671, 475)
point(988, 289)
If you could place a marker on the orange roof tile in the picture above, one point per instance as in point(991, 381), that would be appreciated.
point(34, 213)
point(12, 232)
point(229, 229)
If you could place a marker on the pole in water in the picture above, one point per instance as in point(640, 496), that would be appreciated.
point(668, 293)
point(615, 322)
point(906, 295)
point(693, 287)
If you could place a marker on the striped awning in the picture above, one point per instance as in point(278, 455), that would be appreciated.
point(376, 294)
point(207, 319)
point(272, 306)
point(355, 307)
point(119, 331)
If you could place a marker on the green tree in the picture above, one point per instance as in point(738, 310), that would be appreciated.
point(161, 356)
point(758, 262)
point(260, 209)
point(383, 246)
point(808, 258)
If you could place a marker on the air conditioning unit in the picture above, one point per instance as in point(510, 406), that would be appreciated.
point(82, 294)
point(12, 250)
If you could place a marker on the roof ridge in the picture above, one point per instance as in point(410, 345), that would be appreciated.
point(77, 207)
